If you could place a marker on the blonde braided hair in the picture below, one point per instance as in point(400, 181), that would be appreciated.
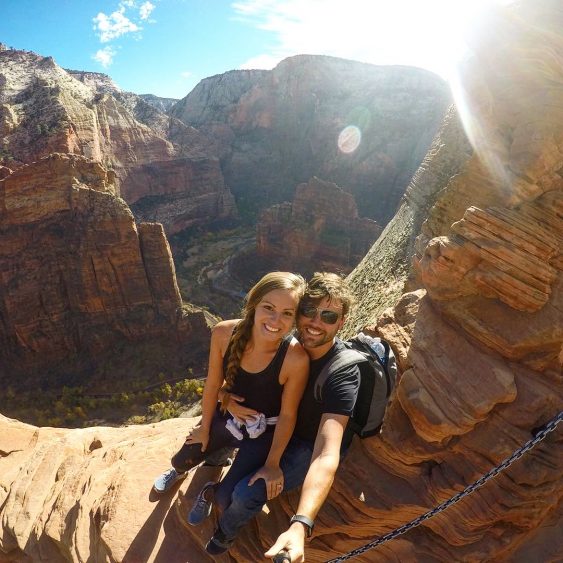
point(243, 330)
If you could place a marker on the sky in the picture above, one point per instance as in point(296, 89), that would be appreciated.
point(165, 47)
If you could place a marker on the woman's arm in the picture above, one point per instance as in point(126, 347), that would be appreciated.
point(295, 370)
point(219, 338)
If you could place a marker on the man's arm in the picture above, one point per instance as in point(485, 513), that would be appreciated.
point(317, 484)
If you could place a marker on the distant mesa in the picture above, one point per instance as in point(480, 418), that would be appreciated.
point(277, 129)
point(320, 229)
point(162, 104)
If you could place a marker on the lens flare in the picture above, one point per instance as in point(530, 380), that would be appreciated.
point(349, 139)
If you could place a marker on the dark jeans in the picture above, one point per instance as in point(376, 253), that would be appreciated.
point(220, 438)
point(251, 456)
point(246, 502)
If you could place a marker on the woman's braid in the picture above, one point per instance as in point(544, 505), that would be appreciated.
point(239, 340)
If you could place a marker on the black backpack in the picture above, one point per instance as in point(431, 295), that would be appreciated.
point(378, 375)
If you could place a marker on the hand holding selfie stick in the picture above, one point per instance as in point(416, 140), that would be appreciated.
point(282, 557)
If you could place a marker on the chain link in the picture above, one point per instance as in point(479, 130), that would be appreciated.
point(539, 436)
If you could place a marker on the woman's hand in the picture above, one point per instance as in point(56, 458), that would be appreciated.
point(198, 435)
point(273, 477)
point(239, 411)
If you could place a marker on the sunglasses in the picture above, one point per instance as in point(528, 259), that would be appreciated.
point(327, 316)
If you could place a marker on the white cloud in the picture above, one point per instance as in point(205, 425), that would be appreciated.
point(104, 56)
point(186, 74)
point(411, 32)
point(113, 26)
point(145, 10)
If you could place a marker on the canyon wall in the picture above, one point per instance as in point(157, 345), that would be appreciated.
point(276, 129)
point(319, 230)
point(77, 273)
point(45, 109)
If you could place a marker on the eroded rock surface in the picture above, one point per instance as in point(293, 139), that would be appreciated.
point(45, 109)
point(98, 502)
point(320, 226)
point(76, 271)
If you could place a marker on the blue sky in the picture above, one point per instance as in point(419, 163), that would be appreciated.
point(165, 47)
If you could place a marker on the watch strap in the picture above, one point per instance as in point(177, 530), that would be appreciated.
point(307, 522)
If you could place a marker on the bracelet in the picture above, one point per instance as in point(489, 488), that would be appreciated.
point(307, 523)
point(225, 402)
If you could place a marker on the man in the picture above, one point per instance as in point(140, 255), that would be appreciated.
point(321, 433)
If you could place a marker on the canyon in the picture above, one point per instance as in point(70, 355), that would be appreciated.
point(276, 129)
point(70, 289)
point(466, 284)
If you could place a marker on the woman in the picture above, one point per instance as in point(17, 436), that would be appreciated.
point(255, 368)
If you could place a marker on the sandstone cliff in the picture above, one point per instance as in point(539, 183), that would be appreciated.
point(78, 274)
point(276, 129)
point(478, 336)
point(162, 104)
point(45, 109)
point(320, 229)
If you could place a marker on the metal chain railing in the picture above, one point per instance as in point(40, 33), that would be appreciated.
point(540, 435)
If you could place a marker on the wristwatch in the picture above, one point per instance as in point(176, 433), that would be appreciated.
point(307, 522)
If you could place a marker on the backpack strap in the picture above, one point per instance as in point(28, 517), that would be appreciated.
point(343, 359)
point(386, 366)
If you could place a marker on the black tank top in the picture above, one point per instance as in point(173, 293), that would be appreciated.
point(262, 390)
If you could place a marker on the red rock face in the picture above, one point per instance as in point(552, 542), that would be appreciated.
point(479, 341)
point(76, 270)
point(46, 109)
point(320, 229)
point(278, 128)
point(178, 193)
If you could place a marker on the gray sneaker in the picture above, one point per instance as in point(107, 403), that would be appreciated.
point(202, 505)
point(165, 481)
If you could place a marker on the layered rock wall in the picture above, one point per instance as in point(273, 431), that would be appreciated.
point(480, 341)
point(44, 109)
point(321, 227)
point(276, 129)
point(179, 193)
point(76, 272)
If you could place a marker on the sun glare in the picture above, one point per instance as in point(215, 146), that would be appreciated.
point(425, 33)
point(472, 66)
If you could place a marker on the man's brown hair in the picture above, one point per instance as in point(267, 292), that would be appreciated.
point(333, 286)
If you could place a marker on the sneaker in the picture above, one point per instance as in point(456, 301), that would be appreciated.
point(165, 481)
point(202, 505)
point(219, 543)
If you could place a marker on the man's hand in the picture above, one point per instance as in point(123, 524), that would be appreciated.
point(239, 411)
point(273, 477)
point(198, 435)
point(292, 541)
